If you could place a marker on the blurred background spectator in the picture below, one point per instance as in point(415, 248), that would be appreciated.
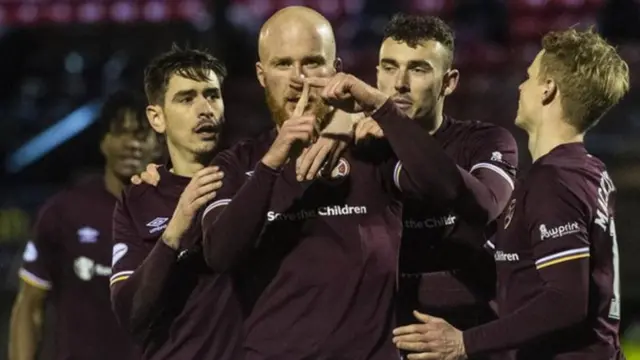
point(61, 57)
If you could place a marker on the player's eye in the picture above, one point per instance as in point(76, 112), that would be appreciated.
point(283, 64)
point(419, 70)
point(388, 68)
point(186, 100)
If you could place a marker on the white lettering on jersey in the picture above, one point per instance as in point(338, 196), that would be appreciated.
point(503, 256)
point(430, 223)
point(86, 268)
point(335, 210)
point(559, 231)
point(30, 252)
point(602, 210)
point(119, 251)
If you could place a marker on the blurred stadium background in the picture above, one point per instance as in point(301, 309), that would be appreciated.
point(59, 58)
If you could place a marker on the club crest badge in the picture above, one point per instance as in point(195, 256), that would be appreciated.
point(509, 213)
point(341, 170)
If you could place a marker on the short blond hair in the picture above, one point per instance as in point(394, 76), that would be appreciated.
point(589, 73)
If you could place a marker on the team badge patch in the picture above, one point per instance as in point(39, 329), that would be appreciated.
point(509, 213)
point(341, 170)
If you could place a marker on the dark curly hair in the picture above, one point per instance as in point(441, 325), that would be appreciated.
point(112, 114)
point(189, 63)
point(414, 29)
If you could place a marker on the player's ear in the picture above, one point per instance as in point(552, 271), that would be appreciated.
point(155, 115)
point(337, 64)
point(260, 73)
point(550, 90)
point(450, 82)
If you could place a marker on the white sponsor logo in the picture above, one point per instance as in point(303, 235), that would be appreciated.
point(119, 251)
point(157, 224)
point(88, 235)
point(30, 252)
point(86, 268)
point(496, 156)
point(335, 210)
point(503, 256)
point(559, 231)
point(249, 173)
point(430, 223)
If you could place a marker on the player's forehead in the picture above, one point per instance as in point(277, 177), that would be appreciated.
point(401, 52)
point(129, 121)
point(534, 67)
point(298, 42)
point(178, 83)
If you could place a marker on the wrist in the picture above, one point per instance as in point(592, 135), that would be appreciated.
point(269, 162)
point(172, 234)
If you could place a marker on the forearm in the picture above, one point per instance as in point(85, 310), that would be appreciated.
point(25, 333)
point(443, 290)
point(429, 170)
point(139, 297)
point(231, 226)
point(552, 310)
point(484, 196)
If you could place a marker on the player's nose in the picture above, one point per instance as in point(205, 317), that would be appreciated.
point(402, 82)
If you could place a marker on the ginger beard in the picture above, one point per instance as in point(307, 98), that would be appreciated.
point(316, 106)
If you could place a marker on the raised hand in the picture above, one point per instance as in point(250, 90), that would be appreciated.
point(150, 176)
point(200, 190)
point(348, 93)
point(293, 136)
point(323, 155)
point(367, 128)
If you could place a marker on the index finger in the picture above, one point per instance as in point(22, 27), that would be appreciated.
point(318, 82)
point(409, 329)
point(302, 103)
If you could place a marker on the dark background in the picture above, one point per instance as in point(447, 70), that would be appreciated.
point(60, 58)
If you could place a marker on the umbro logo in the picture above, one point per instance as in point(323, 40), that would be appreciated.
point(157, 224)
point(87, 235)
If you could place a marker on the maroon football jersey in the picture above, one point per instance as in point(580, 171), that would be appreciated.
point(320, 257)
point(447, 237)
point(557, 262)
point(70, 256)
point(175, 306)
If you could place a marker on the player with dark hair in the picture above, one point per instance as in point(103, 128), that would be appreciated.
point(171, 302)
point(556, 249)
point(68, 262)
point(445, 269)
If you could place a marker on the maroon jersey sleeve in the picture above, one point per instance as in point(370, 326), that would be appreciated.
point(140, 277)
point(235, 219)
point(445, 289)
point(490, 179)
point(39, 254)
point(558, 222)
point(425, 168)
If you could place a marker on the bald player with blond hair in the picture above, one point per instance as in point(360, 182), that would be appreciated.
point(317, 259)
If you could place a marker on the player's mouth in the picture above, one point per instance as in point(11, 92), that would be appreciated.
point(131, 161)
point(207, 130)
point(402, 103)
